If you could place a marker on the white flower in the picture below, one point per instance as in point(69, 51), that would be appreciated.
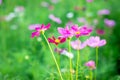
point(69, 55)
point(70, 15)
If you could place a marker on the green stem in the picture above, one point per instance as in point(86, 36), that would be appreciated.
point(96, 56)
point(53, 56)
point(91, 75)
point(69, 49)
point(78, 56)
point(96, 62)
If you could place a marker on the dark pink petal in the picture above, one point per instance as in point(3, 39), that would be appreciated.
point(42, 26)
point(37, 28)
point(75, 28)
point(47, 26)
point(35, 34)
point(53, 37)
point(51, 40)
point(62, 40)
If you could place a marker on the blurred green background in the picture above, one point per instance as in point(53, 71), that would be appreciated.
point(24, 58)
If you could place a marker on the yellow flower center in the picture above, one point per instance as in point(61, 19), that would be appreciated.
point(57, 41)
point(77, 32)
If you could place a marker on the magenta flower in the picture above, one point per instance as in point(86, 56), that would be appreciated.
point(90, 64)
point(65, 32)
point(89, 1)
point(109, 23)
point(56, 41)
point(103, 12)
point(40, 29)
point(95, 42)
point(80, 31)
point(55, 19)
point(0, 2)
point(100, 31)
point(77, 45)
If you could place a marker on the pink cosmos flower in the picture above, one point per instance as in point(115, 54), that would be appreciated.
point(56, 41)
point(65, 32)
point(90, 64)
point(89, 1)
point(103, 12)
point(0, 2)
point(109, 23)
point(40, 29)
point(78, 45)
point(95, 41)
point(55, 19)
point(100, 31)
point(80, 31)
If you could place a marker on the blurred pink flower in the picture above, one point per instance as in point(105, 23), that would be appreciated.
point(103, 12)
point(56, 41)
point(80, 31)
point(95, 41)
point(100, 31)
point(34, 26)
point(65, 32)
point(77, 45)
point(40, 29)
point(109, 23)
point(55, 19)
point(90, 64)
point(0, 2)
point(89, 1)
point(81, 20)
point(19, 9)
point(44, 4)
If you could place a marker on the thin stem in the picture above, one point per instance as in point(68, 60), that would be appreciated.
point(91, 75)
point(78, 56)
point(96, 62)
point(96, 56)
point(53, 56)
point(69, 49)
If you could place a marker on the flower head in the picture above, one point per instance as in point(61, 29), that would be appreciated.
point(39, 29)
point(95, 42)
point(55, 19)
point(103, 12)
point(65, 32)
point(109, 23)
point(78, 45)
point(80, 31)
point(100, 31)
point(90, 64)
point(89, 1)
point(56, 41)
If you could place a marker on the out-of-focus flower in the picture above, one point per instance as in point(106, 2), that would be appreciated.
point(109, 23)
point(78, 45)
point(0, 2)
point(51, 7)
point(103, 12)
point(100, 31)
point(39, 39)
point(90, 64)
point(95, 21)
point(10, 16)
point(40, 29)
point(55, 19)
point(56, 41)
point(33, 26)
point(70, 23)
point(80, 31)
point(54, 1)
point(27, 57)
point(66, 53)
point(81, 20)
point(65, 32)
point(19, 9)
point(44, 4)
point(58, 50)
point(77, 8)
point(70, 15)
point(89, 1)
point(95, 41)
